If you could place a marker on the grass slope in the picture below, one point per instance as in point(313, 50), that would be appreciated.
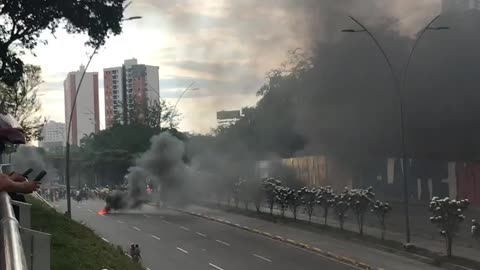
point(74, 246)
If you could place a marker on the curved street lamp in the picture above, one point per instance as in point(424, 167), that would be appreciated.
point(189, 88)
point(398, 89)
point(69, 124)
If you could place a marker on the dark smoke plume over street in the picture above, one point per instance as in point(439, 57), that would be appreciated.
point(164, 164)
point(345, 102)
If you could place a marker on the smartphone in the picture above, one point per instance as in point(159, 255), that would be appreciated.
point(27, 172)
point(40, 176)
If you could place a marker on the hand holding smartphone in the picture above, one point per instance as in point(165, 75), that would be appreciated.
point(39, 177)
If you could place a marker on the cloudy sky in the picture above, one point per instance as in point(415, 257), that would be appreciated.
point(224, 46)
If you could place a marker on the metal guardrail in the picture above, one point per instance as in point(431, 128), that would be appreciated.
point(24, 214)
point(13, 255)
point(40, 198)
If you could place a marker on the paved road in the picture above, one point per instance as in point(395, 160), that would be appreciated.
point(171, 240)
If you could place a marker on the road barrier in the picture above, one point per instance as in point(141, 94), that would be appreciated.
point(22, 248)
point(13, 255)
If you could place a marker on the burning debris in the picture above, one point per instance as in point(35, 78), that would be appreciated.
point(164, 164)
point(115, 201)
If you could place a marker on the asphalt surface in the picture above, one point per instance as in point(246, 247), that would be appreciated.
point(172, 240)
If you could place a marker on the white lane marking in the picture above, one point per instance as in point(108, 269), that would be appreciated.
point(263, 258)
point(221, 242)
point(79, 207)
point(186, 229)
point(89, 210)
point(104, 239)
point(119, 221)
point(164, 221)
point(147, 216)
point(156, 237)
point(201, 234)
point(136, 228)
point(128, 255)
point(214, 266)
point(323, 256)
point(148, 268)
point(56, 205)
point(182, 250)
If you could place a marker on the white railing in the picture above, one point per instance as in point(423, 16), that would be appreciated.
point(22, 248)
point(13, 255)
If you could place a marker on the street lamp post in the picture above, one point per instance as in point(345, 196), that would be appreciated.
point(399, 87)
point(189, 88)
point(69, 124)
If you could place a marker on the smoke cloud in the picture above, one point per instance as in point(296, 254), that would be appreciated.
point(350, 101)
point(27, 157)
point(164, 167)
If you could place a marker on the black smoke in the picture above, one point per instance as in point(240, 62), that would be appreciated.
point(348, 101)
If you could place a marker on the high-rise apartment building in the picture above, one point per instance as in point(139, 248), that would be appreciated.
point(128, 89)
point(53, 135)
point(455, 6)
point(86, 118)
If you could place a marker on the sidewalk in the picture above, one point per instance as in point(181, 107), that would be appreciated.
point(376, 258)
point(430, 240)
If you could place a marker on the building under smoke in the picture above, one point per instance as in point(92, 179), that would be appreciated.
point(227, 118)
point(455, 6)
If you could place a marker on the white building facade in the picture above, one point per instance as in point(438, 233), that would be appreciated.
point(86, 117)
point(53, 135)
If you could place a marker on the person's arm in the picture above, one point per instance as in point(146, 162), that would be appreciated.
point(8, 185)
point(17, 177)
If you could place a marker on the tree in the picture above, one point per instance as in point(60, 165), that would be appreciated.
point(237, 191)
point(247, 192)
point(295, 200)
point(341, 206)
point(162, 114)
point(21, 101)
point(134, 138)
point(258, 194)
point(109, 153)
point(281, 198)
point(475, 230)
point(155, 115)
point(381, 209)
point(360, 200)
point(447, 215)
point(269, 187)
point(24, 20)
point(326, 200)
point(309, 200)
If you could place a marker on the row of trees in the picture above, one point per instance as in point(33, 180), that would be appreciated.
point(447, 214)
point(273, 193)
point(104, 157)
